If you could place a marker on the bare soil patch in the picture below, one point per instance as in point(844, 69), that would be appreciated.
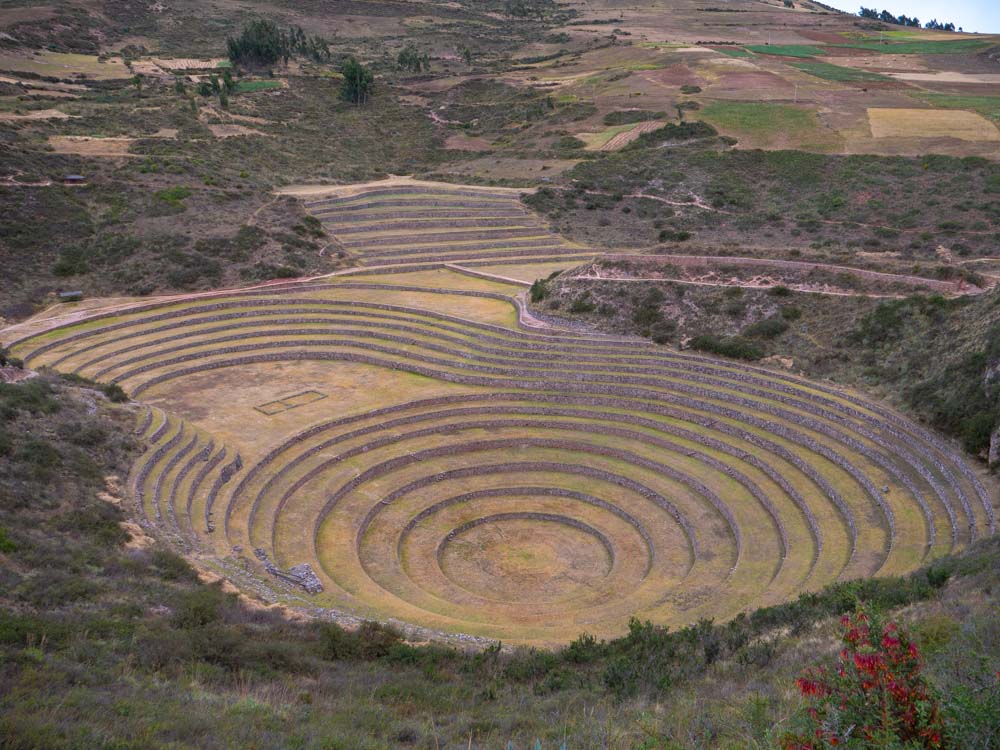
point(38, 114)
point(460, 142)
point(85, 145)
point(232, 131)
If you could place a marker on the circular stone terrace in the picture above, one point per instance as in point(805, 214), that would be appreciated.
point(415, 448)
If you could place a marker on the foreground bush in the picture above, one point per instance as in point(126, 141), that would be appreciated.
point(875, 698)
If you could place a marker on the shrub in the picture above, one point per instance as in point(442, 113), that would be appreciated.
point(569, 143)
point(647, 310)
point(876, 697)
point(629, 116)
point(34, 396)
point(174, 194)
point(7, 545)
point(791, 313)
point(198, 608)
point(663, 331)
point(582, 305)
point(768, 328)
point(173, 567)
point(736, 347)
point(674, 235)
point(376, 640)
point(335, 643)
point(115, 393)
point(539, 290)
point(72, 262)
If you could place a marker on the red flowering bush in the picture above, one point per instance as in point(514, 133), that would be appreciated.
point(875, 698)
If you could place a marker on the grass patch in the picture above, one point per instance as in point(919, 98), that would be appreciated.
point(787, 50)
point(174, 195)
point(641, 66)
point(734, 52)
point(759, 118)
point(987, 106)
point(596, 140)
point(829, 72)
point(249, 87)
point(954, 47)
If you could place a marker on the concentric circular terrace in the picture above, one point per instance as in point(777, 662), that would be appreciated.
point(436, 459)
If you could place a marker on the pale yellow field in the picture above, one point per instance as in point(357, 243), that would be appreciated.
point(64, 65)
point(930, 123)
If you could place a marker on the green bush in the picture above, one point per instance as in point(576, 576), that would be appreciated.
point(674, 235)
point(174, 194)
point(115, 393)
point(335, 643)
point(569, 143)
point(647, 309)
point(629, 116)
point(768, 328)
point(34, 396)
point(200, 607)
point(7, 545)
point(735, 347)
point(791, 313)
point(662, 331)
point(72, 262)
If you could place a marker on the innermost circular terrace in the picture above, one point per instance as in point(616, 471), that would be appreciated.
point(525, 557)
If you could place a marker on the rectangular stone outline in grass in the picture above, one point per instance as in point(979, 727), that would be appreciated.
point(289, 402)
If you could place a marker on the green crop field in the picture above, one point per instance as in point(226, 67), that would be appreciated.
point(787, 50)
point(987, 106)
point(930, 47)
point(759, 118)
point(249, 87)
point(829, 72)
point(734, 51)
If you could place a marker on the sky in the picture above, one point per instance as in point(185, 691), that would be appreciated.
point(972, 15)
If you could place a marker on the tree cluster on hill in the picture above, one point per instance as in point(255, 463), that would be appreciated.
point(526, 9)
point(412, 59)
point(938, 26)
point(263, 43)
point(358, 82)
point(904, 20)
point(887, 17)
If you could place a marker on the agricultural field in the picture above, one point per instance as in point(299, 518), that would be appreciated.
point(405, 222)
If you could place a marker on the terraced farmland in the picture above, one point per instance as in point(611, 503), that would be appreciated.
point(407, 222)
point(433, 456)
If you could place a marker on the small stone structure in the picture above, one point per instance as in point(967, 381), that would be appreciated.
point(299, 575)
